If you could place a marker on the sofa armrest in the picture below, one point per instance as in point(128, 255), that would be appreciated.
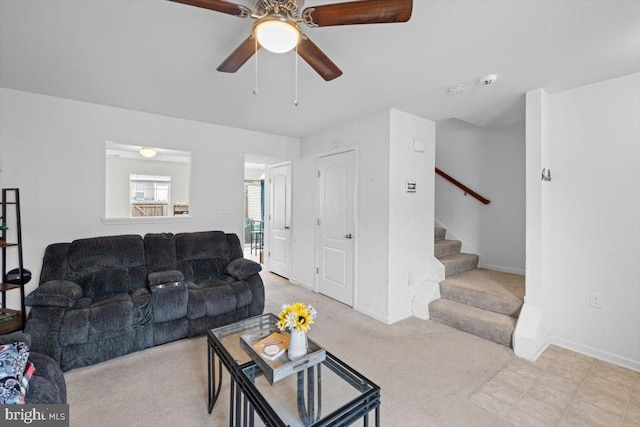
point(241, 268)
point(168, 276)
point(15, 336)
point(56, 293)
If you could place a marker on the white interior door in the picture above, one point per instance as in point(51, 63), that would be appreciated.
point(280, 220)
point(336, 234)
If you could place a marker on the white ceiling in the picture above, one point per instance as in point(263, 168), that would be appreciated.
point(161, 57)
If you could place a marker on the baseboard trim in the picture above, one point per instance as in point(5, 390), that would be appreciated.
point(398, 318)
point(372, 314)
point(605, 356)
point(518, 271)
point(466, 248)
point(301, 283)
point(541, 348)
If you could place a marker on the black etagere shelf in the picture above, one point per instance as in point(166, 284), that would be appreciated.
point(11, 320)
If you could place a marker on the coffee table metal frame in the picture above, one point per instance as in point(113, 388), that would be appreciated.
point(245, 399)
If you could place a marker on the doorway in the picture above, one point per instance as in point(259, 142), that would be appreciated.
point(254, 211)
point(335, 234)
point(280, 220)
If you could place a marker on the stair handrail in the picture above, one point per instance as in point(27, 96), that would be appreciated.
point(463, 187)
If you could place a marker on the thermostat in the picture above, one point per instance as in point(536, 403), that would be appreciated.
point(410, 186)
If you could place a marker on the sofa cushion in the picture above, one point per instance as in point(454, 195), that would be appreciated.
point(109, 282)
point(111, 319)
point(235, 247)
point(75, 327)
point(55, 264)
point(215, 297)
point(202, 255)
point(160, 251)
point(107, 265)
point(107, 316)
point(212, 283)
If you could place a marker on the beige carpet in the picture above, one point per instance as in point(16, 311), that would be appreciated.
point(427, 372)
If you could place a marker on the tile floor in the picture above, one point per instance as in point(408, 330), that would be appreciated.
point(563, 388)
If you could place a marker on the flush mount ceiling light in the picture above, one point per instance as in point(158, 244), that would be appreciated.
point(276, 33)
point(147, 152)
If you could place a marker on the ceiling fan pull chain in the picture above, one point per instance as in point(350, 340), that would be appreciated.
point(295, 101)
point(255, 88)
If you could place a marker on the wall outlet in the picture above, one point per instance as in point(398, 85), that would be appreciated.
point(224, 211)
point(595, 300)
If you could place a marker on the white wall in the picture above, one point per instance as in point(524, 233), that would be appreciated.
point(370, 135)
point(532, 334)
point(387, 218)
point(492, 163)
point(590, 232)
point(53, 149)
point(118, 172)
point(410, 214)
point(594, 212)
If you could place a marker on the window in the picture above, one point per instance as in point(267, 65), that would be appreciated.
point(150, 195)
point(253, 200)
point(146, 189)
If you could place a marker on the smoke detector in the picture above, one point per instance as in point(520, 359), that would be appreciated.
point(488, 80)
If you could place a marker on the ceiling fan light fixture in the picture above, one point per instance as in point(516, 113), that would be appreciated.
point(276, 33)
point(147, 152)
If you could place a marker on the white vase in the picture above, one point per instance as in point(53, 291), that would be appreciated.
point(297, 344)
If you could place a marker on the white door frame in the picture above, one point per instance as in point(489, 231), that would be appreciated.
point(345, 149)
point(267, 217)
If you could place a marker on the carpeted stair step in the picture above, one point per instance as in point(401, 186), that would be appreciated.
point(495, 291)
point(485, 324)
point(457, 263)
point(440, 233)
point(446, 247)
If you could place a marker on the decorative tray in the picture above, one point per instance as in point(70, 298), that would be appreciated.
point(280, 367)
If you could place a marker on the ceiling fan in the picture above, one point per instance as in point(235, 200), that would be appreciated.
point(277, 26)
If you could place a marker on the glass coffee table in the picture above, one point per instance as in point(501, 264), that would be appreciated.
point(330, 393)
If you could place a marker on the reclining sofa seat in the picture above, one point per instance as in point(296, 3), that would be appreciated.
point(220, 286)
point(104, 297)
point(92, 303)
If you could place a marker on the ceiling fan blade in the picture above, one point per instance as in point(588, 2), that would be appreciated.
point(239, 56)
point(359, 12)
point(218, 6)
point(318, 60)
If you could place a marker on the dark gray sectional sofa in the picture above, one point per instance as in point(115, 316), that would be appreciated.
point(104, 297)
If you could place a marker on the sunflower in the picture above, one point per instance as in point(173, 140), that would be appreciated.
point(296, 316)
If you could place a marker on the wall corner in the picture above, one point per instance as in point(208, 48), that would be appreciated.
point(429, 290)
point(530, 338)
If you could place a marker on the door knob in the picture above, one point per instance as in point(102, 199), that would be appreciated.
point(286, 227)
point(348, 236)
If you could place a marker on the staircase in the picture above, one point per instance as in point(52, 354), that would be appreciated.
point(482, 302)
